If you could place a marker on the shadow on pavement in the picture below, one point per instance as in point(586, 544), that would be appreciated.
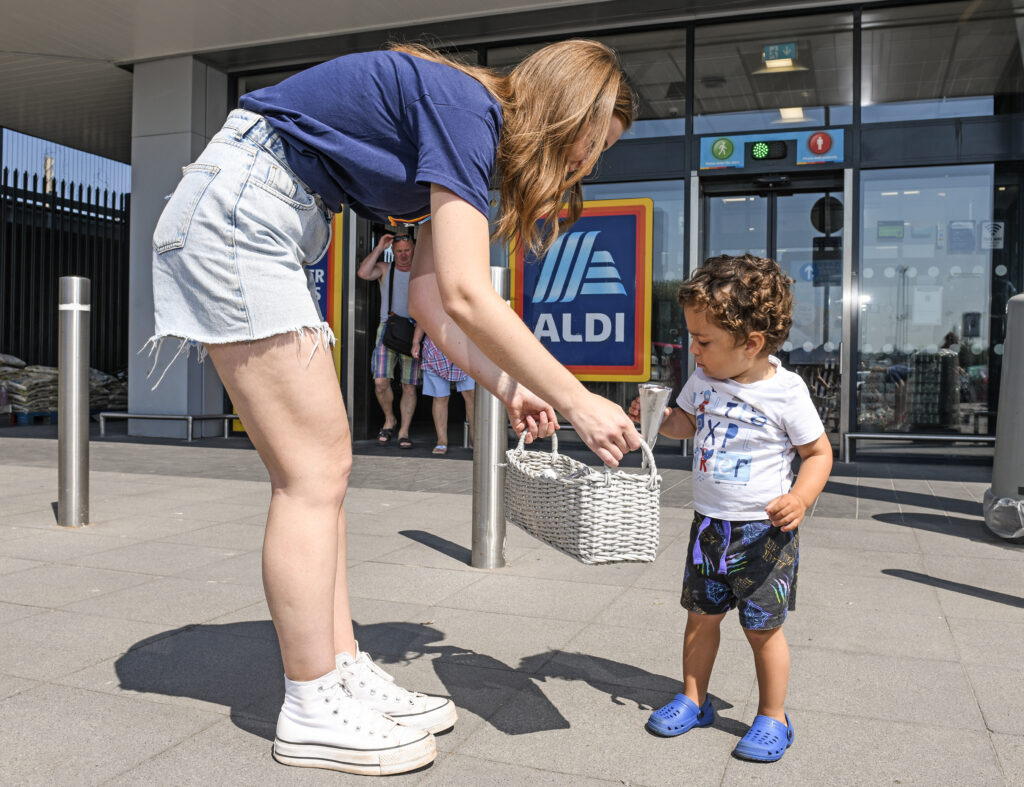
point(916, 499)
point(238, 665)
point(971, 529)
point(956, 587)
point(442, 545)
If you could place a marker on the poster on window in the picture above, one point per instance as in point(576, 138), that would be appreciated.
point(927, 306)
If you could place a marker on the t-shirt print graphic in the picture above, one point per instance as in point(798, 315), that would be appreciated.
point(717, 430)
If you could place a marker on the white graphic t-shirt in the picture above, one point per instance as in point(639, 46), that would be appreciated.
point(746, 439)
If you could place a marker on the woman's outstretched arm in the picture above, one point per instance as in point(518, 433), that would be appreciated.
point(451, 294)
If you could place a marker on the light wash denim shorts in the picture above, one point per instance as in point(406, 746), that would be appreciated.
point(232, 245)
point(436, 386)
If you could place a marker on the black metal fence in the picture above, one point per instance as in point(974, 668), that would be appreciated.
point(48, 231)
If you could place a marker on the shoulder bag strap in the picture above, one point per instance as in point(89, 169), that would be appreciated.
point(391, 288)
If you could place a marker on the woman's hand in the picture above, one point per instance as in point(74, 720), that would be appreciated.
point(527, 411)
point(605, 428)
point(415, 351)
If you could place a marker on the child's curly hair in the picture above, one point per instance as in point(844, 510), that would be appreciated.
point(743, 295)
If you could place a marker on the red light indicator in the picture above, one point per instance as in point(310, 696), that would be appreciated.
point(819, 143)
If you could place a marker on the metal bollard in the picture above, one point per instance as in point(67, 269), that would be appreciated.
point(1003, 503)
point(73, 403)
point(489, 443)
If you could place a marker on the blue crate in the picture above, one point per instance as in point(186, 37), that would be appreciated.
point(43, 416)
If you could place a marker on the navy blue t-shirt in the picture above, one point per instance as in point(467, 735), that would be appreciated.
point(374, 130)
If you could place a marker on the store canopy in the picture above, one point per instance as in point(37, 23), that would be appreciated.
point(66, 64)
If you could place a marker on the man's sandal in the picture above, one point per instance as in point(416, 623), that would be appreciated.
point(384, 436)
point(679, 716)
point(766, 740)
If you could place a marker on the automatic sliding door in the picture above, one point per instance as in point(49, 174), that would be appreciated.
point(736, 224)
point(802, 231)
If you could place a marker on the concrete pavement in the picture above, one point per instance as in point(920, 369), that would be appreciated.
point(139, 650)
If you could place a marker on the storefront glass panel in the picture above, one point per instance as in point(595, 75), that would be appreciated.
point(942, 60)
point(774, 74)
point(934, 276)
point(655, 64)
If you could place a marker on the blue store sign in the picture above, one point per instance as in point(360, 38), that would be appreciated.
point(588, 299)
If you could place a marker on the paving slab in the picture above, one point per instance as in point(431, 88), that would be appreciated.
point(55, 585)
point(112, 734)
point(53, 643)
point(171, 600)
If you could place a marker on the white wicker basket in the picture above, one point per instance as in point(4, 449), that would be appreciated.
point(593, 515)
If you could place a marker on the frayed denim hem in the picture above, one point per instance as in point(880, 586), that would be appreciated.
point(323, 336)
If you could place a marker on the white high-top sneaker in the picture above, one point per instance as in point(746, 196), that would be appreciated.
point(369, 683)
point(322, 726)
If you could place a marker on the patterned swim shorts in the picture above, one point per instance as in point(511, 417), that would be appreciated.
point(748, 565)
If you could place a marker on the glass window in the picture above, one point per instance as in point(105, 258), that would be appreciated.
point(942, 60)
point(655, 64)
point(930, 268)
point(774, 74)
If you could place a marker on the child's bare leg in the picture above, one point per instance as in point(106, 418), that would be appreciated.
point(700, 647)
point(771, 662)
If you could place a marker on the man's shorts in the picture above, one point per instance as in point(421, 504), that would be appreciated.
point(438, 387)
point(747, 565)
point(383, 360)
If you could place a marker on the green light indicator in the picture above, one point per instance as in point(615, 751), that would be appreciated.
point(722, 148)
point(759, 150)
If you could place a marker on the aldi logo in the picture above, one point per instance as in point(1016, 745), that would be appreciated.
point(588, 299)
point(573, 267)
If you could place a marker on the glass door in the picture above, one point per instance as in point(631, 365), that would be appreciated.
point(798, 223)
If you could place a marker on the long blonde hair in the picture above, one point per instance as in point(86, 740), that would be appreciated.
point(548, 102)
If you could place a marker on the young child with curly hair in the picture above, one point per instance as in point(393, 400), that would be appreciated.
point(748, 417)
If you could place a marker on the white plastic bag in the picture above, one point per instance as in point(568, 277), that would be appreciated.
point(1004, 516)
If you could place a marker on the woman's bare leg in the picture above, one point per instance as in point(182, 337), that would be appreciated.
point(344, 635)
point(291, 406)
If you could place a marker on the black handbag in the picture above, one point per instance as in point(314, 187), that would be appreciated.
point(398, 330)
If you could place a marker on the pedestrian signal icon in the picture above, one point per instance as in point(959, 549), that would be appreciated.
point(722, 148)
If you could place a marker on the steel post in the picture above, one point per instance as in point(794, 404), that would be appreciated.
point(1003, 503)
point(489, 444)
point(73, 403)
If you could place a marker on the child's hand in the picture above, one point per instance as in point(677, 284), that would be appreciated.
point(634, 409)
point(786, 511)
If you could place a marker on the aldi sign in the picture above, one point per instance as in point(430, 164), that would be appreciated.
point(588, 299)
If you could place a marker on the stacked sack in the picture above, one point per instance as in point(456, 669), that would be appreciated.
point(33, 389)
point(9, 364)
point(107, 391)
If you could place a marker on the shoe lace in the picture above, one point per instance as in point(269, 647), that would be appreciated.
point(353, 712)
point(365, 672)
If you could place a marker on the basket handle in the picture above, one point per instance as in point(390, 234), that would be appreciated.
point(648, 463)
point(522, 442)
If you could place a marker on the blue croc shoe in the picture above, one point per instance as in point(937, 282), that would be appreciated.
point(680, 715)
point(766, 740)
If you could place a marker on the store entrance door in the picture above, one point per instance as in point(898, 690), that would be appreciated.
point(797, 221)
